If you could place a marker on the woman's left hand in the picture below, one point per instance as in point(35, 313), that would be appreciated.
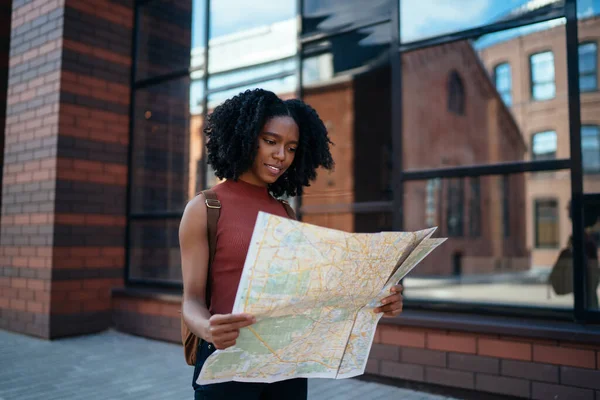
point(391, 305)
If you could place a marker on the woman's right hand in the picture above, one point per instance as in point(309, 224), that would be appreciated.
point(224, 329)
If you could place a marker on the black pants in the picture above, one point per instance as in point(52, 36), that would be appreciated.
point(292, 389)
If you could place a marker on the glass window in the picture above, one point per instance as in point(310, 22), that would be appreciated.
point(590, 148)
point(347, 81)
point(455, 207)
point(546, 224)
point(346, 54)
point(243, 17)
point(503, 81)
point(505, 191)
point(588, 67)
point(331, 15)
point(165, 36)
point(475, 207)
point(543, 86)
point(543, 146)
point(163, 164)
point(154, 250)
point(424, 19)
point(497, 266)
point(456, 94)
point(487, 131)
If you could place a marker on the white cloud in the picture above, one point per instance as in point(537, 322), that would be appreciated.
point(426, 18)
point(230, 16)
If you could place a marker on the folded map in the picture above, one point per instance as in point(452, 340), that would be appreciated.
point(312, 291)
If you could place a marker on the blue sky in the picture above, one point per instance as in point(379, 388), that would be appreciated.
point(419, 18)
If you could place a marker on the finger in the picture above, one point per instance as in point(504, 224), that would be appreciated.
point(226, 336)
point(219, 319)
point(391, 299)
point(216, 329)
point(397, 288)
point(224, 345)
point(389, 308)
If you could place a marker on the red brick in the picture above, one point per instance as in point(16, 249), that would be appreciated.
point(456, 344)
point(19, 283)
point(505, 349)
point(394, 336)
point(564, 356)
point(35, 284)
point(37, 307)
point(502, 385)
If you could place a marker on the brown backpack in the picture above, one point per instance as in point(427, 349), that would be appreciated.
point(213, 210)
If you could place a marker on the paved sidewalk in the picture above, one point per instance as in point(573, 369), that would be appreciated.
point(113, 365)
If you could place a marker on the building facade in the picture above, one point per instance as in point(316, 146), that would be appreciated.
point(478, 119)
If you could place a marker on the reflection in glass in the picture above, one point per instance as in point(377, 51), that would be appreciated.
point(331, 15)
point(546, 224)
point(498, 261)
point(588, 67)
point(543, 146)
point(590, 148)
point(162, 160)
point(502, 78)
point(348, 53)
point(543, 86)
point(284, 87)
point(425, 19)
point(165, 37)
point(236, 16)
point(154, 250)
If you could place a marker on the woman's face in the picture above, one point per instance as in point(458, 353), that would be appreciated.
point(277, 144)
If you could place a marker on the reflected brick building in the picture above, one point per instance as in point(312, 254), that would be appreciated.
point(549, 115)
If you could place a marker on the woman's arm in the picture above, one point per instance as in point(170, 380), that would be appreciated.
point(221, 330)
point(193, 242)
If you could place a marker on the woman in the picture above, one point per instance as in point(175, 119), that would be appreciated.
point(265, 148)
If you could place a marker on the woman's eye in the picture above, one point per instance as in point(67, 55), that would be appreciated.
point(271, 142)
point(292, 149)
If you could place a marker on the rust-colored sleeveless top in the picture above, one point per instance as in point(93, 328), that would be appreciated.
point(240, 204)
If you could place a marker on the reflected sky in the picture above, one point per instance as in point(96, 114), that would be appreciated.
point(230, 16)
point(428, 18)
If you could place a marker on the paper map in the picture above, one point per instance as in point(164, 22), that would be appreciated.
point(312, 291)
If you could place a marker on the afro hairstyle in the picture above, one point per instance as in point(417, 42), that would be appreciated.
point(232, 131)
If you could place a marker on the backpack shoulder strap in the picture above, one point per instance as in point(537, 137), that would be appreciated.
point(213, 211)
point(288, 209)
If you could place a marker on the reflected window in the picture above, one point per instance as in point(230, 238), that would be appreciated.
point(590, 148)
point(543, 86)
point(503, 81)
point(475, 208)
point(431, 202)
point(546, 224)
point(588, 67)
point(456, 94)
point(543, 146)
point(455, 213)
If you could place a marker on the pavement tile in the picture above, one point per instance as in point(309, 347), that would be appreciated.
point(114, 365)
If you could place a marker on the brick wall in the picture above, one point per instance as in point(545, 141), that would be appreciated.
point(157, 318)
point(63, 213)
point(515, 366)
